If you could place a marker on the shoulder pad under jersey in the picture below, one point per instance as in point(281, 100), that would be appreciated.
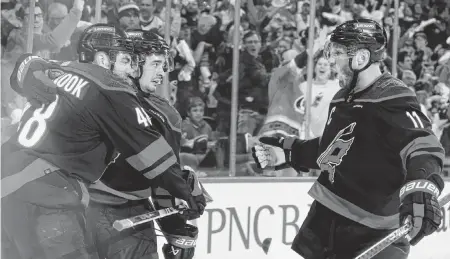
point(386, 88)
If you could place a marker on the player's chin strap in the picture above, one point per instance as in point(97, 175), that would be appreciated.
point(355, 75)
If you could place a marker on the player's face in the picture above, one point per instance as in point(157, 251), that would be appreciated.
point(152, 72)
point(339, 55)
point(345, 73)
point(123, 65)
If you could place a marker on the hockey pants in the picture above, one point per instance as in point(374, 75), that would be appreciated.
point(327, 235)
point(133, 243)
point(45, 219)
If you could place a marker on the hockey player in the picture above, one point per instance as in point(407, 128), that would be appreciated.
point(122, 192)
point(62, 146)
point(379, 160)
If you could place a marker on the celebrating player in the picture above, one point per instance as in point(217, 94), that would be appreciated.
point(380, 162)
point(68, 143)
point(122, 192)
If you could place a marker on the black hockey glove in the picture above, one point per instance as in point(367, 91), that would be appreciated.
point(197, 201)
point(30, 81)
point(419, 203)
point(273, 152)
point(181, 243)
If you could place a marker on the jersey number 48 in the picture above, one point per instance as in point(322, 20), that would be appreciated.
point(34, 128)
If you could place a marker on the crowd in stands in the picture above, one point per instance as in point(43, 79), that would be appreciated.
point(272, 33)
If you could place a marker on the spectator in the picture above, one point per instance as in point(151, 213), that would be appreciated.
point(374, 10)
point(324, 87)
point(421, 44)
point(284, 44)
point(253, 86)
point(128, 15)
point(147, 17)
point(175, 19)
point(404, 60)
point(443, 72)
point(409, 78)
point(303, 17)
point(112, 10)
point(190, 13)
point(56, 13)
point(197, 135)
point(44, 43)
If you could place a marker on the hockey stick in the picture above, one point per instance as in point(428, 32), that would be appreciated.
point(394, 236)
point(122, 224)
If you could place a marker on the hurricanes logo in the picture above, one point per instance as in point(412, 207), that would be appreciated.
point(300, 103)
point(336, 151)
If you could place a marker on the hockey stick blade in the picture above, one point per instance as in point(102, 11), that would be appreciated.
point(122, 224)
point(394, 236)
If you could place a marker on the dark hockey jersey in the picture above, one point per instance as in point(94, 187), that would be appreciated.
point(120, 179)
point(94, 115)
point(364, 151)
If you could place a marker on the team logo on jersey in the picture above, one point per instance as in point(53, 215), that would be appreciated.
point(329, 116)
point(336, 151)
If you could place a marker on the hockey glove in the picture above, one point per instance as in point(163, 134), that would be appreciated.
point(181, 243)
point(30, 81)
point(196, 203)
point(273, 152)
point(418, 201)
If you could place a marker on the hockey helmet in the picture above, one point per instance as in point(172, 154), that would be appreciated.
point(147, 43)
point(354, 35)
point(102, 37)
